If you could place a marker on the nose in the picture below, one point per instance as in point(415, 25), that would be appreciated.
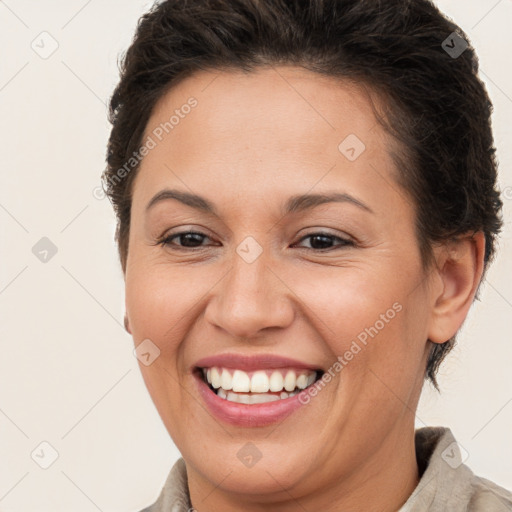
point(249, 299)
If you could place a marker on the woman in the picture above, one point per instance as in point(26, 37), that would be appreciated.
point(307, 203)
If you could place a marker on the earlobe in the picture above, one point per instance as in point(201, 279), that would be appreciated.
point(127, 324)
point(460, 267)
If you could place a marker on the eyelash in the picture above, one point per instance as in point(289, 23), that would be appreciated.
point(166, 241)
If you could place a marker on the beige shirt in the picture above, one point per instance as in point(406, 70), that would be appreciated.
point(446, 484)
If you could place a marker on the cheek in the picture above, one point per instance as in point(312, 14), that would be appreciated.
point(368, 321)
point(160, 300)
point(162, 304)
point(350, 306)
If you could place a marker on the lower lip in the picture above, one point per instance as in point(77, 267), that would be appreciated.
point(245, 415)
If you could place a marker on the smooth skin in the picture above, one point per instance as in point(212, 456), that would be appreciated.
point(253, 140)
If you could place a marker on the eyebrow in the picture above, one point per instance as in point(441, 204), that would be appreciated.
point(293, 205)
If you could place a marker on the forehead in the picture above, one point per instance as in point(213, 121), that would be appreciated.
point(267, 128)
point(288, 100)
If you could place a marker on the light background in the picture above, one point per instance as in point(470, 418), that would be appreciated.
point(67, 372)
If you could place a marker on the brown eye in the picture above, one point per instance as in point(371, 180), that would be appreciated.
point(323, 241)
point(190, 239)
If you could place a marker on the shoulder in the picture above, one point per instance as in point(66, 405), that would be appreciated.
point(488, 496)
point(446, 483)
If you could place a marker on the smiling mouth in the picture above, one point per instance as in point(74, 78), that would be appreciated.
point(257, 387)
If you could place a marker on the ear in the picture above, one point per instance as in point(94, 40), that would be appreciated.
point(127, 324)
point(459, 267)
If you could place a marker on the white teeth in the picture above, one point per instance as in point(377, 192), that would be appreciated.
point(276, 381)
point(232, 397)
point(243, 399)
point(253, 398)
point(290, 380)
point(263, 398)
point(302, 381)
point(232, 384)
point(241, 382)
point(226, 381)
point(259, 382)
point(215, 378)
point(257, 398)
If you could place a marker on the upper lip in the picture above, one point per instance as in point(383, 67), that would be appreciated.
point(252, 362)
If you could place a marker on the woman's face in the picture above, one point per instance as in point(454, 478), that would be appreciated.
point(332, 286)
